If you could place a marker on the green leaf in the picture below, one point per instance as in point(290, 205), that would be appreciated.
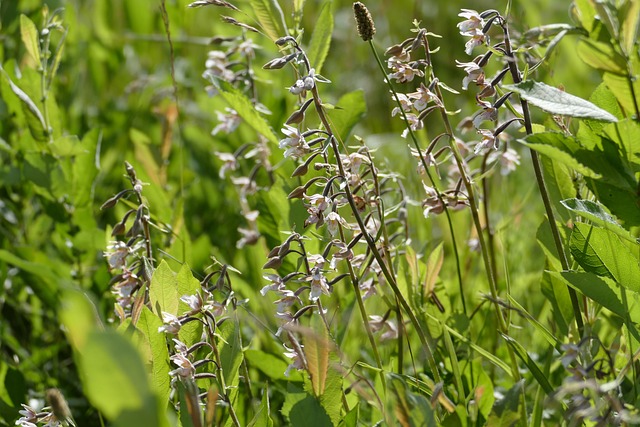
point(505, 411)
point(316, 351)
point(351, 109)
point(230, 351)
point(352, 417)
point(271, 18)
point(163, 292)
point(321, 37)
point(45, 283)
point(262, 417)
point(303, 409)
point(409, 408)
point(621, 88)
point(191, 332)
point(601, 56)
point(115, 380)
point(542, 330)
point(585, 13)
point(270, 365)
point(560, 148)
point(605, 293)
point(556, 292)
point(243, 106)
point(557, 176)
point(148, 325)
point(555, 101)
point(596, 213)
point(601, 252)
point(630, 27)
point(30, 37)
point(34, 118)
point(521, 352)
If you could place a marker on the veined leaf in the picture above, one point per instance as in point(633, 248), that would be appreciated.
point(555, 101)
point(630, 24)
point(595, 213)
point(321, 37)
point(163, 292)
point(271, 18)
point(316, 351)
point(148, 325)
point(602, 291)
point(601, 252)
point(262, 418)
point(35, 119)
point(601, 56)
point(29, 34)
point(559, 148)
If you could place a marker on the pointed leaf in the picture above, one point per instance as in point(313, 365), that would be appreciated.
point(559, 148)
point(351, 109)
point(505, 411)
point(601, 56)
point(596, 213)
point(316, 351)
point(148, 325)
point(600, 251)
point(555, 101)
point(29, 34)
point(271, 18)
point(163, 292)
point(321, 37)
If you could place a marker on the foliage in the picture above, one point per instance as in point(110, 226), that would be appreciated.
point(262, 222)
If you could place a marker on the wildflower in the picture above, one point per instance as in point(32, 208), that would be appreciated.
point(422, 97)
point(288, 299)
point(488, 113)
point(317, 260)
point(229, 163)
point(247, 48)
point(249, 237)
point(379, 323)
point(304, 84)
point(315, 207)
point(116, 254)
point(318, 284)
point(364, 21)
point(333, 221)
point(344, 252)
point(214, 307)
point(488, 139)
point(367, 287)
point(295, 144)
point(405, 104)
point(29, 416)
point(475, 74)
point(185, 368)
point(297, 360)
point(171, 323)
point(509, 160)
point(472, 24)
point(193, 301)
point(429, 160)
point(432, 203)
point(180, 346)
point(406, 73)
point(414, 122)
point(216, 66)
point(276, 284)
point(228, 122)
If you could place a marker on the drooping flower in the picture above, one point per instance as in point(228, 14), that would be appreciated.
point(422, 97)
point(475, 73)
point(295, 145)
point(228, 122)
point(318, 284)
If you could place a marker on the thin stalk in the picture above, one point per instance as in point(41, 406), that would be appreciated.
point(431, 179)
point(425, 337)
point(544, 194)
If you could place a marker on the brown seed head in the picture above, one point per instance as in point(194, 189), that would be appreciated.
point(366, 28)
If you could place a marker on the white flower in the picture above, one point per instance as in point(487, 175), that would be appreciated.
point(488, 113)
point(405, 104)
point(406, 73)
point(414, 123)
point(288, 299)
point(488, 139)
point(422, 97)
point(474, 41)
point(318, 284)
point(247, 48)
point(116, 254)
point(276, 284)
point(297, 361)
point(185, 367)
point(193, 301)
point(334, 220)
point(473, 23)
point(229, 162)
point(171, 323)
point(508, 159)
point(475, 73)
point(228, 122)
point(295, 145)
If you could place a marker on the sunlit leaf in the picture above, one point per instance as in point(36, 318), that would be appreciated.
point(30, 38)
point(321, 37)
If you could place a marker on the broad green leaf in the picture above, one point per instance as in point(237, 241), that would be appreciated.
point(115, 380)
point(505, 411)
point(585, 13)
point(148, 325)
point(350, 110)
point(595, 213)
point(626, 135)
point(601, 56)
point(191, 332)
point(321, 37)
point(484, 390)
point(302, 409)
point(556, 292)
point(230, 351)
point(600, 251)
point(35, 119)
point(85, 169)
point(163, 292)
point(630, 27)
point(243, 106)
point(271, 18)
point(555, 101)
point(352, 417)
point(621, 88)
point(30, 37)
point(605, 99)
point(262, 417)
point(602, 291)
point(557, 177)
point(317, 354)
point(560, 148)
point(522, 353)
point(270, 365)
point(79, 316)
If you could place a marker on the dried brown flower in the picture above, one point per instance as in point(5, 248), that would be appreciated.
point(366, 28)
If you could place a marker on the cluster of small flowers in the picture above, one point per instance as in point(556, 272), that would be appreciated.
point(128, 259)
point(32, 418)
point(475, 26)
point(56, 414)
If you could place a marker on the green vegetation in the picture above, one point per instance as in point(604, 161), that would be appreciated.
point(263, 212)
